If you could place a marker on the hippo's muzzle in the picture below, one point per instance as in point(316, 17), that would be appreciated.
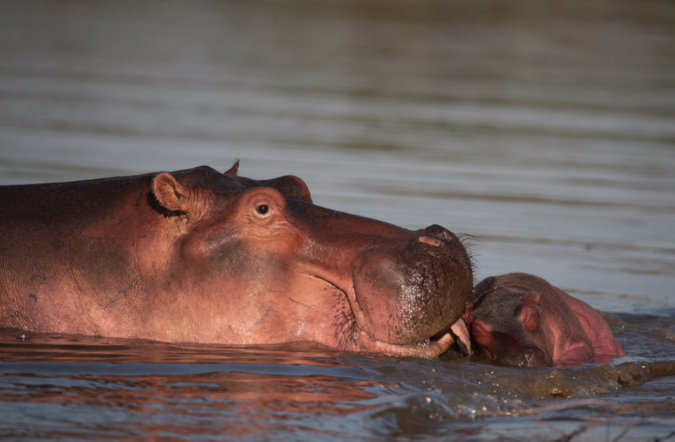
point(415, 290)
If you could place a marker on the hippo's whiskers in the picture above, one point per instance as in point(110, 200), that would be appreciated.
point(345, 323)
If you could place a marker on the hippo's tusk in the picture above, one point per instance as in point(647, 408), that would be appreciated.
point(462, 334)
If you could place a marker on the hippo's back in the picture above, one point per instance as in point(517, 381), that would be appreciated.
point(58, 202)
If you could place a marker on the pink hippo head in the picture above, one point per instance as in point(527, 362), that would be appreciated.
point(522, 320)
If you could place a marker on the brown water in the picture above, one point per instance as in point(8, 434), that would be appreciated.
point(544, 130)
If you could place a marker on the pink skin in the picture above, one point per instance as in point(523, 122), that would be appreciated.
point(520, 319)
point(200, 256)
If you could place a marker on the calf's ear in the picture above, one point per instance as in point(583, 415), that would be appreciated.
point(170, 193)
point(482, 333)
point(529, 317)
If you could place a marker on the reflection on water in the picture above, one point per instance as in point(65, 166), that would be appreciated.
point(81, 387)
point(233, 404)
point(545, 130)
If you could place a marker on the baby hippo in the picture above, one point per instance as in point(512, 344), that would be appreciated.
point(521, 320)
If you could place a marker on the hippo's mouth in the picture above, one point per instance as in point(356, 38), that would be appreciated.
point(355, 338)
point(429, 348)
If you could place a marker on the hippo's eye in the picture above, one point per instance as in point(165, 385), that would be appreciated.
point(262, 210)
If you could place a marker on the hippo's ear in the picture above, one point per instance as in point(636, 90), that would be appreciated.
point(529, 317)
point(170, 193)
point(234, 170)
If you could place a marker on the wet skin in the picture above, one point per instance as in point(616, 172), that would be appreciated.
point(521, 320)
point(201, 256)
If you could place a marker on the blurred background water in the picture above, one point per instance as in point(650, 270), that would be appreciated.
point(544, 131)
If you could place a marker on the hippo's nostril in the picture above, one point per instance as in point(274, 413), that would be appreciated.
point(430, 241)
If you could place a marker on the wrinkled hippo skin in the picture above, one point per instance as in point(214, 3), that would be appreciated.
point(202, 256)
point(521, 320)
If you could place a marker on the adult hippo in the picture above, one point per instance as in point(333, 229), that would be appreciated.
point(201, 256)
point(521, 320)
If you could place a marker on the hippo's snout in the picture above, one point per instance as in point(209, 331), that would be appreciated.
point(411, 292)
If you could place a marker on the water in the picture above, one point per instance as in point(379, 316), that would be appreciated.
point(544, 131)
point(77, 387)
